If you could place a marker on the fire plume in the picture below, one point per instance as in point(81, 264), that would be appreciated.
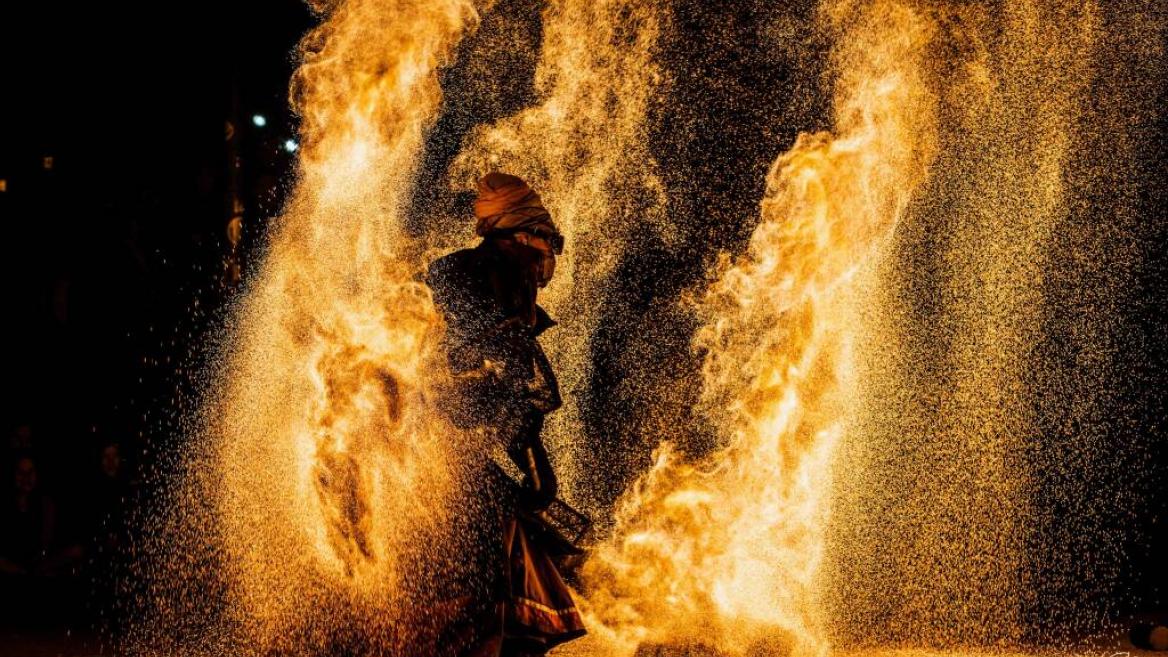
point(330, 459)
point(724, 550)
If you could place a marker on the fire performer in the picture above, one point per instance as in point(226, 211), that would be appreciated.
point(504, 388)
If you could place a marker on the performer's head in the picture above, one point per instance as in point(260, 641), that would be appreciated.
point(25, 475)
point(509, 211)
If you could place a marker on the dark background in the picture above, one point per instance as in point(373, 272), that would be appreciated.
point(119, 181)
point(118, 186)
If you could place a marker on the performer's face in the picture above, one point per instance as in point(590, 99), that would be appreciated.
point(545, 264)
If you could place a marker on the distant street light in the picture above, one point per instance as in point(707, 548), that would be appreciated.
point(290, 145)
point(259, 120)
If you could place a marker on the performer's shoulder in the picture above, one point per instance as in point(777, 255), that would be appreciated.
point(458, 263)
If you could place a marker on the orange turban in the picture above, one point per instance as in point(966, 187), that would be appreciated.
point(505, 202)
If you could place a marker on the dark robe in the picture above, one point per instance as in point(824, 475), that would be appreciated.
point(505, 385)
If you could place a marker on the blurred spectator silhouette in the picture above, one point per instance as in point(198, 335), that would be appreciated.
point(38, 569)
point(112, 496)
point(29, 522)
point(109, 497)
point(20, 441)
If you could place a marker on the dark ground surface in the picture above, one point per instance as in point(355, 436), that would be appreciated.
point(65, 642)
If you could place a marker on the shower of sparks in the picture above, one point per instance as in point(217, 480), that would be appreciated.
point(726, 550)
point(323, 465)
point(874, 364)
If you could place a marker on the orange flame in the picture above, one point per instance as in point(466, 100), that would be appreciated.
point(331, 460)
point(328, 463)
point(725, 550)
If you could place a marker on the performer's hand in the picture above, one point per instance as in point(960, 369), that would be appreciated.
point(493, 368)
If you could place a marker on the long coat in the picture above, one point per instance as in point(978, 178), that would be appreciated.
point(506, 386)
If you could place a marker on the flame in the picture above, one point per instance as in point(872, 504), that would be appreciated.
point(325, 464)
point(725, 550)
point(330, 458)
